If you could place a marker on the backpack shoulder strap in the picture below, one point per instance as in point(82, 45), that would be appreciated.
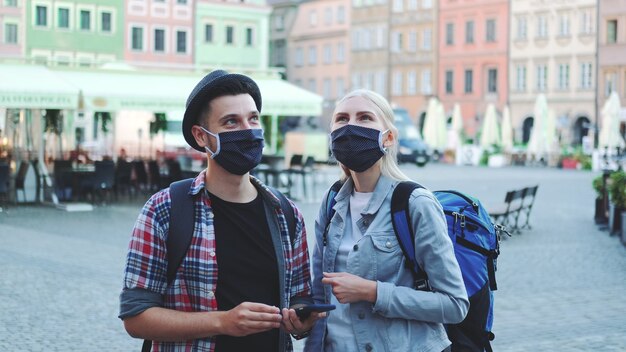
point(288, 211)
point(330, 204)
point(182, 224)
point(401, 220)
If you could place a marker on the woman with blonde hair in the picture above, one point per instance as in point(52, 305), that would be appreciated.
point(358, 264)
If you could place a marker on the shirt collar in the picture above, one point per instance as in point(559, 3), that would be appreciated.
point(383, 186)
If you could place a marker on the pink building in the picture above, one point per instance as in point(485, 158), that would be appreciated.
point(473, 62)
point(159, 33)
point(319, 51)
point(12, 29)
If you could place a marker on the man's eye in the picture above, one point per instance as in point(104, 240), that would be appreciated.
point(254, 118)
point(341, 119)
point(230, 122)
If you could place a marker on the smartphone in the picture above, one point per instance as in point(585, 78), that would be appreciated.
point(305, 311)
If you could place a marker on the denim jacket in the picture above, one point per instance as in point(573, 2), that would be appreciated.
point(402, 318)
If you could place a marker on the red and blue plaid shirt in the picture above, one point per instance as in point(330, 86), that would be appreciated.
point(193, 289)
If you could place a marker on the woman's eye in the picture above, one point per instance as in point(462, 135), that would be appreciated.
point(366, 117)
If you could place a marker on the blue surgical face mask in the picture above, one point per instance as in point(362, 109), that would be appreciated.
point(238, 151)
point(357, 147)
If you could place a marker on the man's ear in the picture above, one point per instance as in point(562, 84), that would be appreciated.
point(199, 135)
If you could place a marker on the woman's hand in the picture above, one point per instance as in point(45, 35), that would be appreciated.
point(350, 288)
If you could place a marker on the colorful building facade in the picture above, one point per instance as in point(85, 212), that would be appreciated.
point(473, 57)
point(74, 33)
point(12, 31)
point(553, 52)
point(232, 34)
point(159, 33)
point(282, 19)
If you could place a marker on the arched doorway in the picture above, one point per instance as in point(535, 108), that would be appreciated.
point(527, 127)
point(581, 128)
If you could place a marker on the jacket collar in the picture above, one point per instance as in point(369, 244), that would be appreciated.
point(384, 185)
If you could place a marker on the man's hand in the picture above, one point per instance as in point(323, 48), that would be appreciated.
point(293, 325)
point(349, 288)
point(250, 318)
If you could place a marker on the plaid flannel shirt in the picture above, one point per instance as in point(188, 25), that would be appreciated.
point(193, 289)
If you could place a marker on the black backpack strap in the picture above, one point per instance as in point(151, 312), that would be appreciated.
point(330, 204)
point(180, 233)
point(401, 220)
point(181, 225)
point(288, 212)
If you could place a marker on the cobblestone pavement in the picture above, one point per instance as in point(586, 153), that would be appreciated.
point(562, 285)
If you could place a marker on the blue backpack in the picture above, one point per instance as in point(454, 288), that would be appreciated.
point(476, 247)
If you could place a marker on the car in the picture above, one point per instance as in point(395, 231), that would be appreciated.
point(411, 147)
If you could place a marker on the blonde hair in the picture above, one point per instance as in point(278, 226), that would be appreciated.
point(389, 166)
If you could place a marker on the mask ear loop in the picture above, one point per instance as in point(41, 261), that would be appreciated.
point(217, 138)
point(380, 140)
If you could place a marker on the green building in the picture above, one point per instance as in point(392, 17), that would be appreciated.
point(232, 35)
point(74, 33)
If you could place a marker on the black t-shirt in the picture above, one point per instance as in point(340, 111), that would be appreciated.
point(247, 267)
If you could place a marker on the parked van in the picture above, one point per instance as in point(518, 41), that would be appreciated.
point(411, 147)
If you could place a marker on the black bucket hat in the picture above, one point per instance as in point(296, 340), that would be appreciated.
point(208, 89)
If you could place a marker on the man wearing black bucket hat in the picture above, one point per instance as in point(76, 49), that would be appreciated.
point(240, 226)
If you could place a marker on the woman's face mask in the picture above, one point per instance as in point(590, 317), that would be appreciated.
point(356, 147)
point(238, 151)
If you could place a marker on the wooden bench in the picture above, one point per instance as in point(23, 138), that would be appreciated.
point(527, 205)
point(516, 203)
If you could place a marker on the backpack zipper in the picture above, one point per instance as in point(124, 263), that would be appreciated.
point(466, 198)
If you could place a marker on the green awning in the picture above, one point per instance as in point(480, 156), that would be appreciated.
point(34, 87)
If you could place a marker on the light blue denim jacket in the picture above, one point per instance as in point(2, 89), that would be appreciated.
point(402, 319)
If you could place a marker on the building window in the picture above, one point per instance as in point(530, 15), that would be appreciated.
point(299, 57)
point(427, 39)
point(181, 2)
point(10, 33)
point(397, 83)
point(10, 3)
point(427, 87)
point(411, 83)
point(279, 22)
point(159, 40)
point(520, 84)
point(181, 42)
point(341, 14)
point(586, 22)
point(542, 26)
point(449, 33)
point(412, 41)
point(328, 16)
point(312, 55)
point(542, 78)
point(341, 53)
point(341, 88)
point(328, 54)
point(137, 38)
point(106, 22)
point(611, 81)
point(249, 36)
point(611, 31)
point(586, 75)
point(469, 32)
point(230, 35)
point(327, 89)
point(41, 16)
point(491, 30)
point(312, 85)
point(564, 25)
point(563, 78)
point(427, 4)
point(313, 18)
point(492, 80)
point(469, 81)
point(449, 82)
point(397, 42)
point(208, 33)
point(63, 18)
point(522, 28)
point(85, 20)
point(411, 5)
point(398, 5)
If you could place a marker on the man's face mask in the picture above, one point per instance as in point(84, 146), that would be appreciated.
point(239, 151)
point(356, 147)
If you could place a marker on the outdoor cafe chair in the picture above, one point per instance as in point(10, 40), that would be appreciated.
point(20, 179)
point(5, 174)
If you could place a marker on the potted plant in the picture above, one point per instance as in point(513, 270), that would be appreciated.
point(600, 213)
point(617, 191)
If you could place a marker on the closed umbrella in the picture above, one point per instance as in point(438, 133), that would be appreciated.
point(537, 146)
point(507, 130)
point(490, 134)
point(433, 123)
point(456, 128)
point(609, 132)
